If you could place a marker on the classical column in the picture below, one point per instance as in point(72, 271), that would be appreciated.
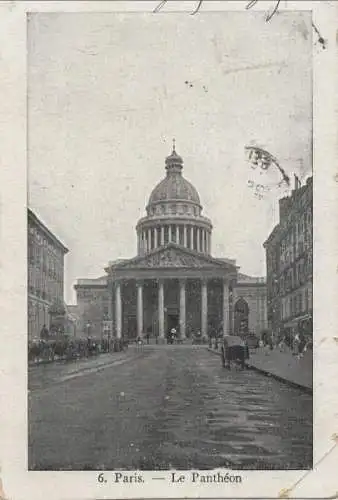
point(155, 237)
point(118, 312)
point(185, 239)
point(149, 239)
point(226, 304)
point(110, 311)
point(192, 237)
point(198, 239)
point(170, 235)
point(162, 236)
point(204, 307)
point(161, 309)
point(177, 234)
point(182, 309)
point(204, 247)
point(209, 242)
point(145, 244)
point(232, 316)
point(110, 301)
point(139, 286)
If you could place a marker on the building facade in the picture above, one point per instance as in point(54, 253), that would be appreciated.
point(289, 260)
point(174, 281)
point(45, 274)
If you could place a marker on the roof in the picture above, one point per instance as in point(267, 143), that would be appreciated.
point(244, 278)
point(35, 220)
point(173, 256)
point(233, 340)
point(174, 186)
point(101, 281)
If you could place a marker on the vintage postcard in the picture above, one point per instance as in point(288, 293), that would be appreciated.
point(169, 250)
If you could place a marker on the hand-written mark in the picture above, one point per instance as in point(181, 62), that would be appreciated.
point(259, 189)
point(200, 2)
point(321, 40)
point(269, 16)
point(162, 4)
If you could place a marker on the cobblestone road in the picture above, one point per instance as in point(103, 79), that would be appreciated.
point(165, 407)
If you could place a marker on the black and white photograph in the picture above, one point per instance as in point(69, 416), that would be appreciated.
point(170, 242)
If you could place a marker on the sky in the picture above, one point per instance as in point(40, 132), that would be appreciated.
point(108, 92)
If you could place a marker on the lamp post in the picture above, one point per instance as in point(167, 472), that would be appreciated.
point(106, 331)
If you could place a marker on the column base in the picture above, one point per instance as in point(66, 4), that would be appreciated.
point(161, 340)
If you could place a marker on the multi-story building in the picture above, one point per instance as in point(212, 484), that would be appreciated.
point(174, 281)
point(45, 274)
point(289, 260)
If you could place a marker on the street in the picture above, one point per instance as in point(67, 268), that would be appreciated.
point(164, 407)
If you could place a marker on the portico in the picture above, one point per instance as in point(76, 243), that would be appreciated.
point(170, 287)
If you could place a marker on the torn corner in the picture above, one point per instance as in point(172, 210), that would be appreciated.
point(335, 437)
point(284, 493)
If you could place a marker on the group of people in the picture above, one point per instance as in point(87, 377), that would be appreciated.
point(299, 344)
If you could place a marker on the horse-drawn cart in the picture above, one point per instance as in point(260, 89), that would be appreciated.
point(234, 351)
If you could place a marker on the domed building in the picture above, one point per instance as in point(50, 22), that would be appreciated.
point(173, 282)
point(174, 214)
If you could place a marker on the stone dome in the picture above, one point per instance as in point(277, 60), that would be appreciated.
point(174, 214)
point(174, 186)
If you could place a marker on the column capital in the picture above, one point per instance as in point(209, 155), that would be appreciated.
point(139, 282)
point(182, 281)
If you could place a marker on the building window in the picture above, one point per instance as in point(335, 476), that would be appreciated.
point(300, 303)
point(306, 293)
point(166, 235)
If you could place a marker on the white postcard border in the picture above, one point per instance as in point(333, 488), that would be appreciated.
point(17, 482)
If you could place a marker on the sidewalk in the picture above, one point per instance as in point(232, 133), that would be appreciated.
point(44, 375)
point(282, 366)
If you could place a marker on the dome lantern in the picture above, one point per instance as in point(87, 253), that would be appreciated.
point(173, 162)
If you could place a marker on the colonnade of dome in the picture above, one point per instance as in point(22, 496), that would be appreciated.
point(174, 214)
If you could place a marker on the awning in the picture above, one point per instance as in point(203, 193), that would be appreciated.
point(305, 317)
point(295, 321)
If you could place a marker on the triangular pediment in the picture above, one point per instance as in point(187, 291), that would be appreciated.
point(173, 256)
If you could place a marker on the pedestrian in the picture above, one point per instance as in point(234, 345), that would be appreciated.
point(282, 345)
point(301, 346)
point(44, 334)
point(173, 335)
point(296, 343)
